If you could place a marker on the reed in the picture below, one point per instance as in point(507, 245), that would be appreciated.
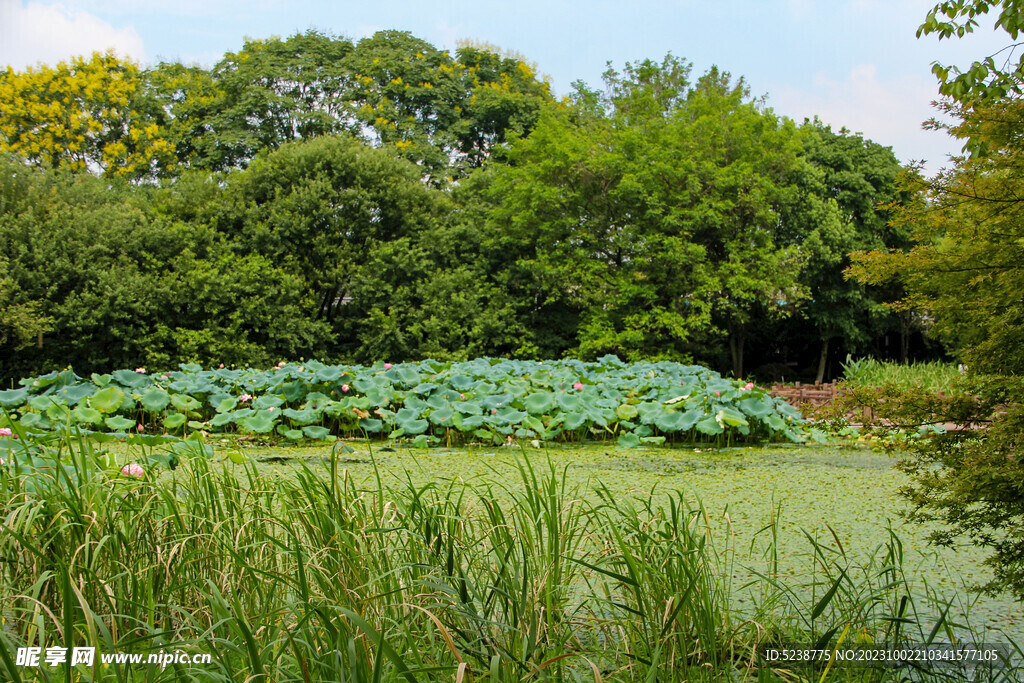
point(313, 578)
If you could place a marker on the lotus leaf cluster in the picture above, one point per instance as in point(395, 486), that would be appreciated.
point(487, 401)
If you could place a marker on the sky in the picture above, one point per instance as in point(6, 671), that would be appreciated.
point(852, 63)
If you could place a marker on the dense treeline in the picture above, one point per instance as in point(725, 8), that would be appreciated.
point(386, 199)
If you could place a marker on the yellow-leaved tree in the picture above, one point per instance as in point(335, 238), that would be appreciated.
point(92, 114)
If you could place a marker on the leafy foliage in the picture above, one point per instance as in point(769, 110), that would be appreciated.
point(118, 284)
point(984, 79)
point(965, 271)
point(94, 114)
point(655, 214)
point(487, 401)
point(414, 578)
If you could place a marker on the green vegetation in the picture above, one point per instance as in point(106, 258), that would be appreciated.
point(483, 401)
point(933, 376)
point(965, 272)
point(318, 576)
point(314, 197)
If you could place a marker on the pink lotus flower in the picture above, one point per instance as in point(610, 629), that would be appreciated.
point(140, 428)
point(578, 385)
point(750, 385)
point(133, 470)
point(5, 431)
point(344, 388)
point(270, 409)
point(718, 393)
point(494, 411)
point(244, 398)
point(387, 366)
point(141, 371)
point(282, 364)
point(462, 396)
point(221, 365)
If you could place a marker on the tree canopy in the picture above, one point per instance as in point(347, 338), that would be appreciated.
point(93, 114)
point(391, 198)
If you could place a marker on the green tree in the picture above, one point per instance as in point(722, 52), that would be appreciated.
point(443, 112)
point(319, 209)
point(122, 284)
point(985, 79)
point(851, 185)
point(653, 213)
point(270, 92)
point(965, 270)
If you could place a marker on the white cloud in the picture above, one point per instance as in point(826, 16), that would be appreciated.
point(887, 111)
point(36, 33)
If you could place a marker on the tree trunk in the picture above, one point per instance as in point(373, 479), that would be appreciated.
point(736, 351)
point(906, 323)
point(822, 362)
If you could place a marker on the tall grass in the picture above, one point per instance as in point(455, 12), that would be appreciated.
point(932, 376)
point(314, 578)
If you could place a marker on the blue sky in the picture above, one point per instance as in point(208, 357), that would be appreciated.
point(853, 63)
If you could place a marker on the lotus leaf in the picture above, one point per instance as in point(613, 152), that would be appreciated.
point(442, 417)
point(267, 401)
point(317, 433)
point(74, 393)
point(41, 402)
point(301, 417)
point(107, 400)
point(155, 399)
point(627, 411)
point(130, 379)
point(221, 419)
point(709, 425)
point(574, 421)
point(261, 423)
point(174, 420)
point(540, 403)
point(755, 406)
point(83, 414)
point(119, 423)
point(629, 440)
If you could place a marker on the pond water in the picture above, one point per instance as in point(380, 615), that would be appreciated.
point(840, 495)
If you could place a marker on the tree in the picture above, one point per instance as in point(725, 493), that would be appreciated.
point(391, 89)
point(319, 209)
point(112, 281)
point(652, 213)
point(858, 177)
point(94, 114)
point(966, 271)
point(21, 322)
point(984, 79)
point(445, 113)
point(272, 92)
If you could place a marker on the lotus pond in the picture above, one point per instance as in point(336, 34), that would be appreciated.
point(361, 561)
point(491, 521)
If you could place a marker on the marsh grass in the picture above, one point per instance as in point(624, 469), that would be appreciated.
point(931, 376)
point(316, 578)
